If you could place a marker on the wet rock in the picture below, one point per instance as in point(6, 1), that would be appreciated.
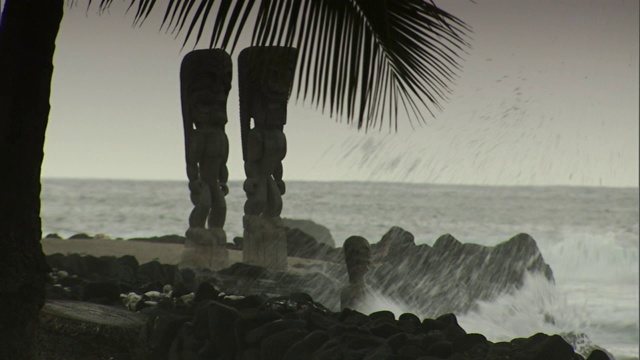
point(452, 329)
point(244, 270)
point(329, 350)
point(441, 349)
point(410, 318)
point(467, 342)
point(237, 241)
point(319, 232)
point(206, 291)
point(256, 335)
point(152, 286)
point(129, 261)
point(275, 346)
point(360, 340)
point(56, 261)
point(382, 316)
point(598, 355)
point(245, 324)
point(542, 346)
point(222, 320)
point(300, 244)
point(244, 302)
point(384, 330)
point(394, 244)
point(317, 321)
point(454, 275)
point(306, 347)
point(411, 351)
point(382, 352)
point(72, 281)
point(155, 271)
point(161, 330)
point(80, 236)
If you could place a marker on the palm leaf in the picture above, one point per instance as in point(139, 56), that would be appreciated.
point(366, 61)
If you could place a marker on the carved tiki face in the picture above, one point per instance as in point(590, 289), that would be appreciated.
point(357, 254)
point(205, 81)
point(265, 80)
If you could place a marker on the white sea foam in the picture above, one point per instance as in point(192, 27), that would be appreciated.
point(537, 307)
point(607, 316)
point(592, 257)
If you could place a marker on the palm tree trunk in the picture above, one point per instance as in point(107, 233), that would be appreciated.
point(28, 30)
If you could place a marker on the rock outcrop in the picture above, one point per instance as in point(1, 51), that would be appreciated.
point(452, 276)
point(320, 233)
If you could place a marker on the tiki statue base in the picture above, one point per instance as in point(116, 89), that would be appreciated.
point(205, 249)
point(264, 243)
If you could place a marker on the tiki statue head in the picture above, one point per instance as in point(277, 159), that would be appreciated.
point(205, 81)
point(265, 79)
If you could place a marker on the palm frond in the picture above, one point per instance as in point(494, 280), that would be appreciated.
point(366, 61)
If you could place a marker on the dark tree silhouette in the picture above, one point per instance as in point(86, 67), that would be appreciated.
point(366, 61)
point(27, 40)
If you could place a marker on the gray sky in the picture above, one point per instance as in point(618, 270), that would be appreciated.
point(548, 96)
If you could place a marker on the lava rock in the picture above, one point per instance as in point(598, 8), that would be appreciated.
point(393, 245)
point(101, 293)
point(454, 276)
point(244, 270)
point(306, 347)
point(598, 355)
point(320, 233)
point(275, 346)
point(80, 236)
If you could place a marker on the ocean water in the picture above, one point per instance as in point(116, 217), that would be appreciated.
point(589, 236)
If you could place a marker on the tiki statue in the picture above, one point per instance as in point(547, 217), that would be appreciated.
point(265, 81)
point(205, 81)
point(357, 255)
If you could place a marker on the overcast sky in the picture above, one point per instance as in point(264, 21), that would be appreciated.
point(548, 96)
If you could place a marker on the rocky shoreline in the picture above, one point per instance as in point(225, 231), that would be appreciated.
point(247, 312)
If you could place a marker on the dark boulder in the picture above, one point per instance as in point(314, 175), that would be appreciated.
point(319, 232)
point(393, 245)
point(300, 244)
point(598, 355)
point(80, 236)
point(275, 346)
point(542, 346)
point(453, 275)
point(155, 271)
point(244, 270)
point(306, 347)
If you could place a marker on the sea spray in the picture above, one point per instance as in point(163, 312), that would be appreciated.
point(599, 275)
point(376, 301)
point(536, 307)
point(586, 256)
